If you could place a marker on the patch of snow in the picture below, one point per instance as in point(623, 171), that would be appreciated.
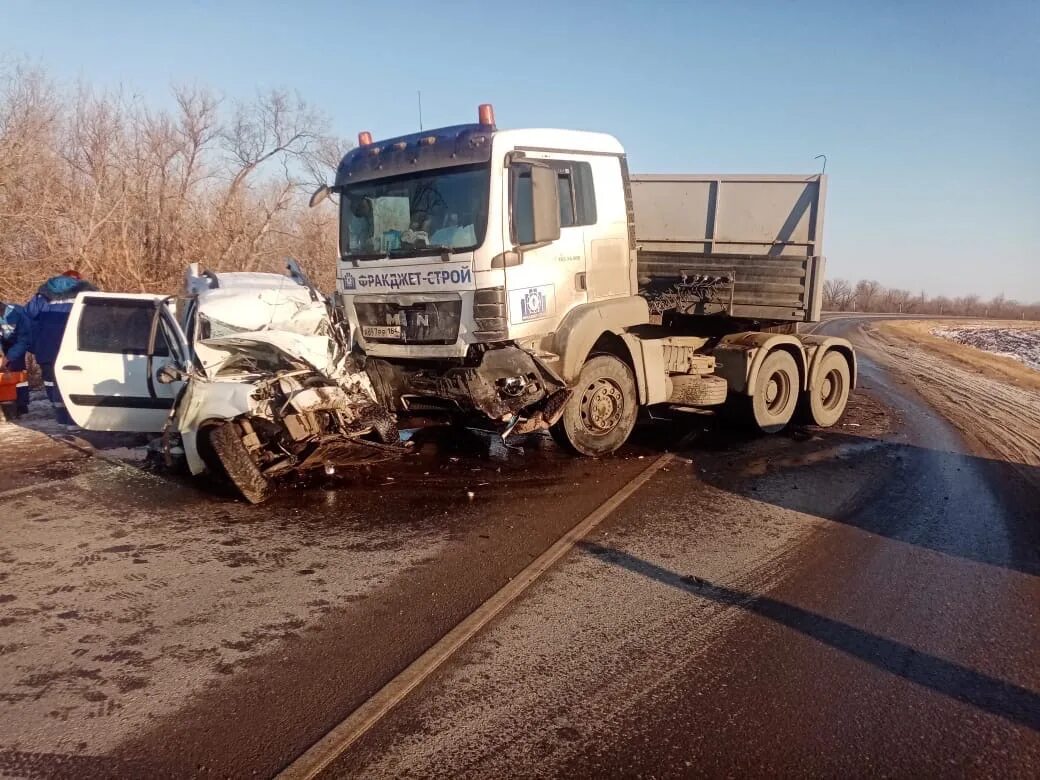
point(40, 416)
point(1018, 344)
point(131, 454)
point(40, 420)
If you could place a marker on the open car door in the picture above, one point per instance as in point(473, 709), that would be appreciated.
point(114, 347)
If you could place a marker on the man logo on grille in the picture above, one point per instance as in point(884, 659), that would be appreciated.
point(533, 304)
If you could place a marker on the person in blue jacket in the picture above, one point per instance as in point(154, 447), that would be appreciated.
point(15, 340)
point(48, 311)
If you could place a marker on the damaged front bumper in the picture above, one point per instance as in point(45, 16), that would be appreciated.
point(508, 385)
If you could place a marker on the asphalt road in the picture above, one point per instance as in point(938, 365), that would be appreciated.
point(863, 600)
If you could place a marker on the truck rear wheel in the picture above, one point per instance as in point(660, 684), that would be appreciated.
point(824, 402)
point(601, 413)
point(775, 395)
point(238, 463)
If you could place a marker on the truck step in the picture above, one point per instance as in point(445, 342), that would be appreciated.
point(681, 359)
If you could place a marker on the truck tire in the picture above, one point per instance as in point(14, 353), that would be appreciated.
point(238, 463)
point(775, 394)
point(601, 413)
point(824, 402)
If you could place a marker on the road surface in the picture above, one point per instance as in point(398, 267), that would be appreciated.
point(860, 600)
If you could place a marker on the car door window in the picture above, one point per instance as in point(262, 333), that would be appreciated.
point(119, 326)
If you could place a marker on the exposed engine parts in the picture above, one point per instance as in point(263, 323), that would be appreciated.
point(300, 415)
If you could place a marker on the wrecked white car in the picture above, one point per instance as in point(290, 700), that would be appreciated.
point(250, 372)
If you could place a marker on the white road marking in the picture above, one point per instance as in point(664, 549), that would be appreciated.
point(320, 755)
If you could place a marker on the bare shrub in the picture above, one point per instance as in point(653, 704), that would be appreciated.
point(128, 194)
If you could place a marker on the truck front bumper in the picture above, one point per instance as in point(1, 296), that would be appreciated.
point(498, 382)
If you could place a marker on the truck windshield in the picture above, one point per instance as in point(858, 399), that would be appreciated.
point(421, 213)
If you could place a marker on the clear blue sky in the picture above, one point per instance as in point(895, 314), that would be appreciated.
point(929, 112)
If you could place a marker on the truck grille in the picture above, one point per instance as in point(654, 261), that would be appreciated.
point(489, 313)
point(424, 322)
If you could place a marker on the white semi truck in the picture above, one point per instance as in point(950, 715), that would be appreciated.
point(526, 277)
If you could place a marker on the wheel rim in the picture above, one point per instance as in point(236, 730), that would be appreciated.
point(831, 389)
point(778, 392)
point(602, 406)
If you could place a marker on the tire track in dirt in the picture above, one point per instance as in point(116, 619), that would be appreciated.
point(998, 418)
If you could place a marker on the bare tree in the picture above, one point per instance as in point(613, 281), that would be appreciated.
point(837, 294)
point(129, 194)
point(866, 292)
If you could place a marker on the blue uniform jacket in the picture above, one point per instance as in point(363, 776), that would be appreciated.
point(16, 332)
point(48, 311)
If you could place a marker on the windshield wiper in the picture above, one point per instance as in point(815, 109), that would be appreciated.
point(419, 251)
point(429, 249)
point(367, 256)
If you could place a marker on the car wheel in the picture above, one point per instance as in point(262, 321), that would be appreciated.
point(238, 464)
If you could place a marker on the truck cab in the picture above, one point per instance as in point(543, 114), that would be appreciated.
point(482, 270)
point(442, 253)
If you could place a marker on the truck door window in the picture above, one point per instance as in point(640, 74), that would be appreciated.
point(523, 216)
point(577, 196)
point(584, 194)
point(121, 327)
point(566, 188)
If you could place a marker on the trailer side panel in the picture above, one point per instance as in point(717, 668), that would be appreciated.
point(744, 246)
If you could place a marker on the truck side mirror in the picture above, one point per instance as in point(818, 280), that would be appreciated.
point(536, 204)
point(320, 194)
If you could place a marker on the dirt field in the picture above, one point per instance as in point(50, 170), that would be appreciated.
point(1016, 372)
point(994, 400)
point(1017, 341)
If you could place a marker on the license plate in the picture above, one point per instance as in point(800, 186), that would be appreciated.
point(381, 331)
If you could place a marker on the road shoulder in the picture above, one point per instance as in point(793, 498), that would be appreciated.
point(993, 401)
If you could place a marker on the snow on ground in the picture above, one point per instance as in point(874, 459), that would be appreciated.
point(1019, 344)
point(41, 415)
point(132, 448)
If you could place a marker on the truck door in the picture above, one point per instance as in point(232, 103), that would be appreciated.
point(549, 278)
point(107, 368)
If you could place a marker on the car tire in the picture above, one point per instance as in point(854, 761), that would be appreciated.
point(226, 441)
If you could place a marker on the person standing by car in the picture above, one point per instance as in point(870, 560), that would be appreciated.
point(15, 340)
point(48, 311)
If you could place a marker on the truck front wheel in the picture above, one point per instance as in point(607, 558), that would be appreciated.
point(601, 413)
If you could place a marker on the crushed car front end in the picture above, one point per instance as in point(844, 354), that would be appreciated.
point(263, 409)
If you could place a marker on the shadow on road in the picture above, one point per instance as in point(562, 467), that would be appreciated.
point(980, 509)
point(1012, 702)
